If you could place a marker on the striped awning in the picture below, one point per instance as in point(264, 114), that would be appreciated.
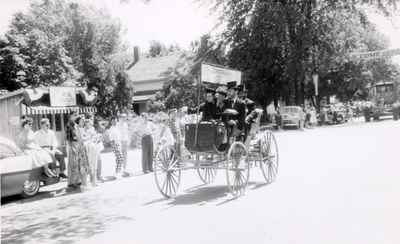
point(32, 110)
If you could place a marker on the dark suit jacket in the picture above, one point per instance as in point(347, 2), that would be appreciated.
point(209, 111)
point(220, 108)
point(240, 107)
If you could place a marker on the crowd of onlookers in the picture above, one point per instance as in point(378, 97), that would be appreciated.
point(87, 136)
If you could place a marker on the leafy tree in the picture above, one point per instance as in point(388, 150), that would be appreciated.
point(57, 41)
point(157, 49)
point(32, 52)
point(181, 87)
point(279, 44)
point(123, 92)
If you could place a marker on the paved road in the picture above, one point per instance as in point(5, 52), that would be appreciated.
point(335, 185)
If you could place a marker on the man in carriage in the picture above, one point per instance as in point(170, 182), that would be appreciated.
point(208, 108)
point(238, 107)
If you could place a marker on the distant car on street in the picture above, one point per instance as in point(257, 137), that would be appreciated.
point(292, 116)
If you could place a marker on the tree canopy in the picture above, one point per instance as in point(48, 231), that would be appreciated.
point(58, 41)
point(280, 44)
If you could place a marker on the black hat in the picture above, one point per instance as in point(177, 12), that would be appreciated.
point(231, 85)
point(221, 90)
point(209, 90)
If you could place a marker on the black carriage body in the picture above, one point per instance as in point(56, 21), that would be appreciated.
point(209, 136)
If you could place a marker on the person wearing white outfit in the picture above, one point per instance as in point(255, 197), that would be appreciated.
point(124, 132)
point(91, 140)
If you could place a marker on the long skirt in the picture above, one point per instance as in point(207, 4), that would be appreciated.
point(40, 157)
point(147, 153)
point(92, 155)
point(77, 164)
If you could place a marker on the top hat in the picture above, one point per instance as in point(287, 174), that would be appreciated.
point(209, 90)
point(231, 85)
point(240, 87)
point(221, 90)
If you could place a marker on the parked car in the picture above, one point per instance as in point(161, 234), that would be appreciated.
point(292, 116)
point(19, 173)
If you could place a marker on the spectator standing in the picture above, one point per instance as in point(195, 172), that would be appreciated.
point(77, 159)
point(271, 112)
point(90, 139)
point(124, 131)
point(101, 129)
point(147, 145)
point(313, 116)
point(115, 140)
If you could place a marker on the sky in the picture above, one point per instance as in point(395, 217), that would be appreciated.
point(171, 21)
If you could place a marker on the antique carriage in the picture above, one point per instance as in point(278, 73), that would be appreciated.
point(212, 148)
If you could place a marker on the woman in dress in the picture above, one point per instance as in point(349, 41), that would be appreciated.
point(26, 141)
point(91, 142)
point(77, 159)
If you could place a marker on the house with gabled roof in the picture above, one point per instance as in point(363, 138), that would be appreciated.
point(148, 76)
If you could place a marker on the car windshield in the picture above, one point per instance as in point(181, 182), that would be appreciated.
point(289, 110)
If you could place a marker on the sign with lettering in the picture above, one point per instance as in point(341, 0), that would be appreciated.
point(387, 53)
point(219, 75)
point(62, 96)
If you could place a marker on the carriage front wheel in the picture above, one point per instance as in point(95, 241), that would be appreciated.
point(237, 169)
point(269, 156)
point(167, 172)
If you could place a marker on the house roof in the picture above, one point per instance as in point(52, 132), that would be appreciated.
point(149, 69)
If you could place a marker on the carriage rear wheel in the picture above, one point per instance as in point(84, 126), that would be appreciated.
point(206, 174)
point(167, 172)
point(237, 169)
point(269, 156)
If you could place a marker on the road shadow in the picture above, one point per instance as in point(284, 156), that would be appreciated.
point(203, 194)
point(257, 185)
point(41, 195)
point(67, 221)
point(155, 201)
point(200, 195)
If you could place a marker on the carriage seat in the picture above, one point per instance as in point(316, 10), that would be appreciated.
point(210, 136)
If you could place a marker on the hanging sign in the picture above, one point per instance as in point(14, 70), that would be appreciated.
point(62, 96)
point(375, 54)
point(219, 75)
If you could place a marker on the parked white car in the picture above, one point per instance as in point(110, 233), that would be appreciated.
point(292, 116)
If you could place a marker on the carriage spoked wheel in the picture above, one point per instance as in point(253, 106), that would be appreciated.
point(206, 174)
point(237, 169)
point(269, 156)
point(167, 172)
